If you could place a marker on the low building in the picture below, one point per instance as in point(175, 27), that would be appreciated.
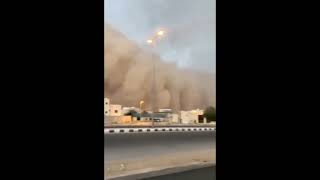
point(188, 118)
point(165, 110)
point(192, 117)
point(146, 116)
point(161, 116)
point(112, 109)
point(174, 118)
point(106, 106)
point(115, 110)
point(126, 110)
point(121, 120)
point(107, 121)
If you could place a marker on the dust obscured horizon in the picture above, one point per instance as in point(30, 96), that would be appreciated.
point(185, 72)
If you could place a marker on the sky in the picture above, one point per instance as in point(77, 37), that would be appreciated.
point(190, 27)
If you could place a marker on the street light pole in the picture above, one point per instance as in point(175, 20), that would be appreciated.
point(151, 43)
point(154, 88)
point(153, 94)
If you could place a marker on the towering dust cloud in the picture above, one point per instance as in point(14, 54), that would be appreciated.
point(128, 78)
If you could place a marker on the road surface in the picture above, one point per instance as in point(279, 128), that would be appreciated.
point(125, 153)
point(208, 173)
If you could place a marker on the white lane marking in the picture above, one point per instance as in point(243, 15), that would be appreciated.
point(158, 129)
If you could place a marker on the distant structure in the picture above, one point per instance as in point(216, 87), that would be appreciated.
point(106, 106)
point(113, 113)
point(171, 117)
point(174, 118)
point(192, 117)
point(147, 116)
point(115, 110)
point(116, 114)
point(165, 110)
point(112, 109)
point(126, 110)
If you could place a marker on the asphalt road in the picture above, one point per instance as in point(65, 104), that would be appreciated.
point(136, 151)
point(135, 146)
point(208, 173)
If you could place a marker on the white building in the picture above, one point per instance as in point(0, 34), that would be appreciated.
point(111, 109)
point(165, 110)
point(174, 118)
point(106, 106)
point(192, 117)
point(115, 110)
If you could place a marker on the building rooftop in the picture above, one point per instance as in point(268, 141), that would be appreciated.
point(156, 115)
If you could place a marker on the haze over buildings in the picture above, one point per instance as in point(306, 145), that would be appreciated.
point(185, 73)
point(128, 69)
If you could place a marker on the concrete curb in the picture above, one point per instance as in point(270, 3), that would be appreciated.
point(158, 129)
point(152, 172)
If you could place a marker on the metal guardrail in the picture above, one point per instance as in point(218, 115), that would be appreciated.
point(157, 129)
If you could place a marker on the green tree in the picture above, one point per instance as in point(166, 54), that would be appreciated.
point(210, 114)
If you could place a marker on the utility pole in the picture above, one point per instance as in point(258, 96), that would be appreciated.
point(154, 93)
point(152, 42)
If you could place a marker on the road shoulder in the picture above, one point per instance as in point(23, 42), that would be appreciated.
point(154, 172)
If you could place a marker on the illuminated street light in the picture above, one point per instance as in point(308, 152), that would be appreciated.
point(153, 44)
point(160, 33)
point(141, 102)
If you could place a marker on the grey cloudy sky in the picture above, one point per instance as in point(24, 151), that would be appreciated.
point(191, 26)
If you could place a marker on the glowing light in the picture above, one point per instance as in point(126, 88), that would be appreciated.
point(141, 102)
point(160, 33)
point(149, 41)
